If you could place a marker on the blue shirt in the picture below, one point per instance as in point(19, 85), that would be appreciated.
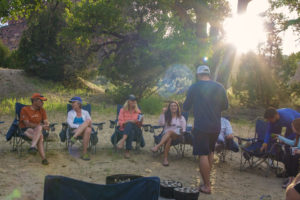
point(78, 120)
point(208, 99)
point(286, 117)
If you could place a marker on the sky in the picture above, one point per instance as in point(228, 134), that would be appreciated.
point(289, 38)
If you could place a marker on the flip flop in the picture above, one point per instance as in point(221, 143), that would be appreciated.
point(203, 190)
point(165, 164)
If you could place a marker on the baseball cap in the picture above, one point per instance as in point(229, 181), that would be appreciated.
point(38, 96)
point(203, 69)
point(75, 99)
point(132, 97)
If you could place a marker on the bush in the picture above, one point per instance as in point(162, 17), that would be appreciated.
point(4, 54)
point(151, 105)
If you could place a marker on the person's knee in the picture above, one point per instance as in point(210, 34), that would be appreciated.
point(38, 129)
point(89, 130)
point(291, 193)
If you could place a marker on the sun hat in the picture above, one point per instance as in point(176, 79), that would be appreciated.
point(75, 99)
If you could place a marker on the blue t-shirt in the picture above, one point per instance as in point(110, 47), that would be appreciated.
point(208, 99)
point(78, 120)
point(286, 118)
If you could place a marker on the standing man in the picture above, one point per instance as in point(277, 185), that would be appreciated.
point(208, 99)
point(33, 120)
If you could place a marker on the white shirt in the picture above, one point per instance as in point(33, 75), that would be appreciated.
point(226, 129)
point(174, 123)
point(72, 114)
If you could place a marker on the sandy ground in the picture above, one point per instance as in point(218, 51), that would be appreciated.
point(26, 174)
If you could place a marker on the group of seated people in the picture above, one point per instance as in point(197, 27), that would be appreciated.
point(33, 121)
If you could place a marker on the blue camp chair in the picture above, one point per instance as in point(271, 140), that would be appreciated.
point(251, 156)
point(180, 142)
point(66, 132)
point(117, 133)
point(17, 136)
point(62, 188)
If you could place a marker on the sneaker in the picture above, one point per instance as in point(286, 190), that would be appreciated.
point(32, 150)
point(73, 140)
point(45, 162)
point(85, 157)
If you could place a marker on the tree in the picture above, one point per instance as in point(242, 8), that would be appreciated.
point(254, 85)
point(293, 7)
point(135, 41)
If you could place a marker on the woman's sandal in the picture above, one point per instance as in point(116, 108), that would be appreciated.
point(165, 164)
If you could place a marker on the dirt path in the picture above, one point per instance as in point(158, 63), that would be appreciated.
point(26, 174)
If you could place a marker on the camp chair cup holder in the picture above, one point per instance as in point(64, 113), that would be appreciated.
point(52, 127)
point(112, 124)
point(99, 125)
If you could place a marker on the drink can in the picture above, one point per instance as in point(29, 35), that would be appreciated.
point(140, 116)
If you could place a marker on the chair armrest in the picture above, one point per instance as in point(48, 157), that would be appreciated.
point(146, 127)
point(52, 126)
point(99, 125)
point(240, 139)
point(113, 123)
point(153, 128)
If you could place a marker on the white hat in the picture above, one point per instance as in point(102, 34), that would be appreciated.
point(203, 69)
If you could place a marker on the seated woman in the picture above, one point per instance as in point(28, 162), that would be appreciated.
point(129, 125)
point(291, 159)
point(173, 121)
point(81, 124)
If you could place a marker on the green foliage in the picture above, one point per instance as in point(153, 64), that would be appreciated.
point(4, 55)
point(254, 84)
point(136, 41)
point(151, 105)
point(39, 54)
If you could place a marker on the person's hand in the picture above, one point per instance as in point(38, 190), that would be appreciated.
point(229, 137)
point(274, 136)
point(264, 147)
point(297, 151)
point(46, 127)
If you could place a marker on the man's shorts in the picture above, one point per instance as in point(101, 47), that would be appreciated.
point(204, 143)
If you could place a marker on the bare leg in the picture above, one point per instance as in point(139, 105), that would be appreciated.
point(205, 172)
point(86, 139)
point(211, 159)
point(166, 151)
point(81, 129)
point(40, 146)
point(122, 141)
point(164, 139)
point(37, 132)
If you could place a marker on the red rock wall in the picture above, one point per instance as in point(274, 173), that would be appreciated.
point(11, 33)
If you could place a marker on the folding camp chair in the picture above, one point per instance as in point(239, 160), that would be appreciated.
point(17, 135)
point(251, 156)
point(179, 143)
point(67, 133)
point(117, 133)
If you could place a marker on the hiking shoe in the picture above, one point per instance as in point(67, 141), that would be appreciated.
point(45, 162)
point(32, 150)
point(73, 140)
point(85, 157)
